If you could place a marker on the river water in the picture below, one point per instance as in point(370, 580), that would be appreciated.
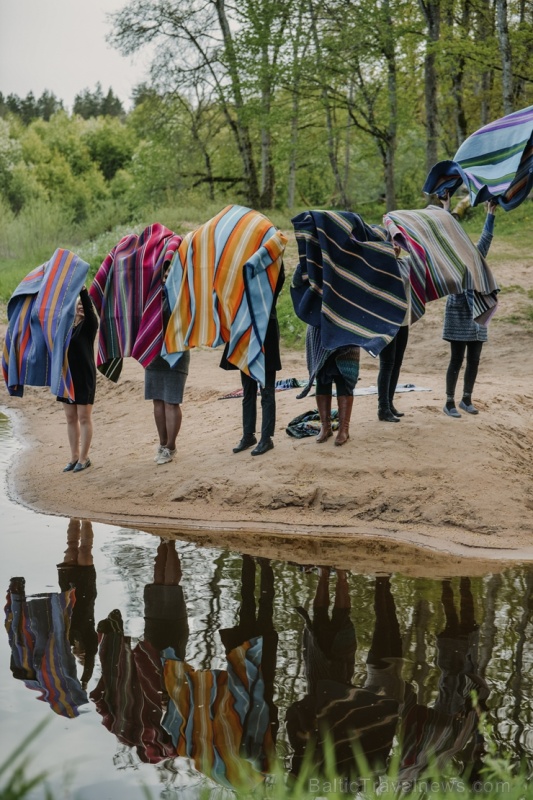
point(162, 666)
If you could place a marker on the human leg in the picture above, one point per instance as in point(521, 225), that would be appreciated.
point(249, 413)
point(386, 366)
point(323, 402)
point(473, 355)
point(268, 412)
point(457, 352)
point(85, 420)
point(160, 421)
point(268, 406)
point(401, 343)
point(345, 404)
point(73, 430)
point(173, 417)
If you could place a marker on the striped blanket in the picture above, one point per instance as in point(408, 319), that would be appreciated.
point(220, 718)
point(41, 315)
point(443, 260)
point(38, 628)
point(351, 287)
point(495, 161)
point(221, 288)
point(129, 694)
point(127, 293)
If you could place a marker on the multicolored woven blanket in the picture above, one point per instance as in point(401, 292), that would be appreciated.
point(495, 161)
point(221, 288)
point(41, 315)
point(443, 260)
point(219, 718)
point(127, 293)
point(351, 287)
point(41, 655)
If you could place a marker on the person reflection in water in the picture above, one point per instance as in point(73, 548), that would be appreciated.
point(130, 694)
point(77, 571)
point(38, 630)
point(225, 720)
point(439, 733)
point(352, 718)
point(261, 624)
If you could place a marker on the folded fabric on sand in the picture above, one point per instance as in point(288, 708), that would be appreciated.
point(308, 424)
point(40, 318)
point(221, 288)
point(351, 288)
point(127, 294)
point(444, 259)
point(494, 162)
point(281, 385)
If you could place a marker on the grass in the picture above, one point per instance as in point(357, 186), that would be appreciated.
point(16, 781)
point(498, 777)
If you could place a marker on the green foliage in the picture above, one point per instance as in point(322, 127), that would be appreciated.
point(28, 108)
point(110, 145)
point(15, 782)
point(89, 104)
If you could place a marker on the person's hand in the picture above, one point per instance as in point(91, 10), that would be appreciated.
point(445, 199)
point(491, 206)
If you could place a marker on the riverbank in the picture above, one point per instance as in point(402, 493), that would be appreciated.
point(457, 489)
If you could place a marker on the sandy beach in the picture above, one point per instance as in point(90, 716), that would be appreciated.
point(425, 495)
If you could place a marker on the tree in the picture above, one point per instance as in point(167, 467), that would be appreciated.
point(233, 51)
point(89, 104)
point(431, 11)
point(502, 28)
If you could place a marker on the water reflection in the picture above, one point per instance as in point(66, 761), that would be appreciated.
point(208, 664)
point(48, 631)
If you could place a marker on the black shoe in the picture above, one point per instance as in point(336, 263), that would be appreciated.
point(396, 412)
point(246, 442)
point(264, 446)
point(386, 415)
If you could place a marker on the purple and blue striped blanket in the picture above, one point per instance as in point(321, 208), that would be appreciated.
point(494, 162)
point(41, 655)
point(41, 315)
point(127, 294)
point(351, 288)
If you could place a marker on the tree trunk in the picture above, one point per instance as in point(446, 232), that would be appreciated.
point(392, 96)
point(267, 168)
point(340, 195)
point(291, 188)
point(241, 127)
point(431, 11)
point(504, 44)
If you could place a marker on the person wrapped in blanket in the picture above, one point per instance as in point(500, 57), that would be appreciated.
point(268, 391)
point(354, 721)
point(130, 695)
point(164, 385)
point(463, 333)
point(340, 366)
point(82, 366)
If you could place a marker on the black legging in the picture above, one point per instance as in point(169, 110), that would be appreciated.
point(390, 364)
point(473, 354)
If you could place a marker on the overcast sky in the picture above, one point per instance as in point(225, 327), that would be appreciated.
point(60, 45)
